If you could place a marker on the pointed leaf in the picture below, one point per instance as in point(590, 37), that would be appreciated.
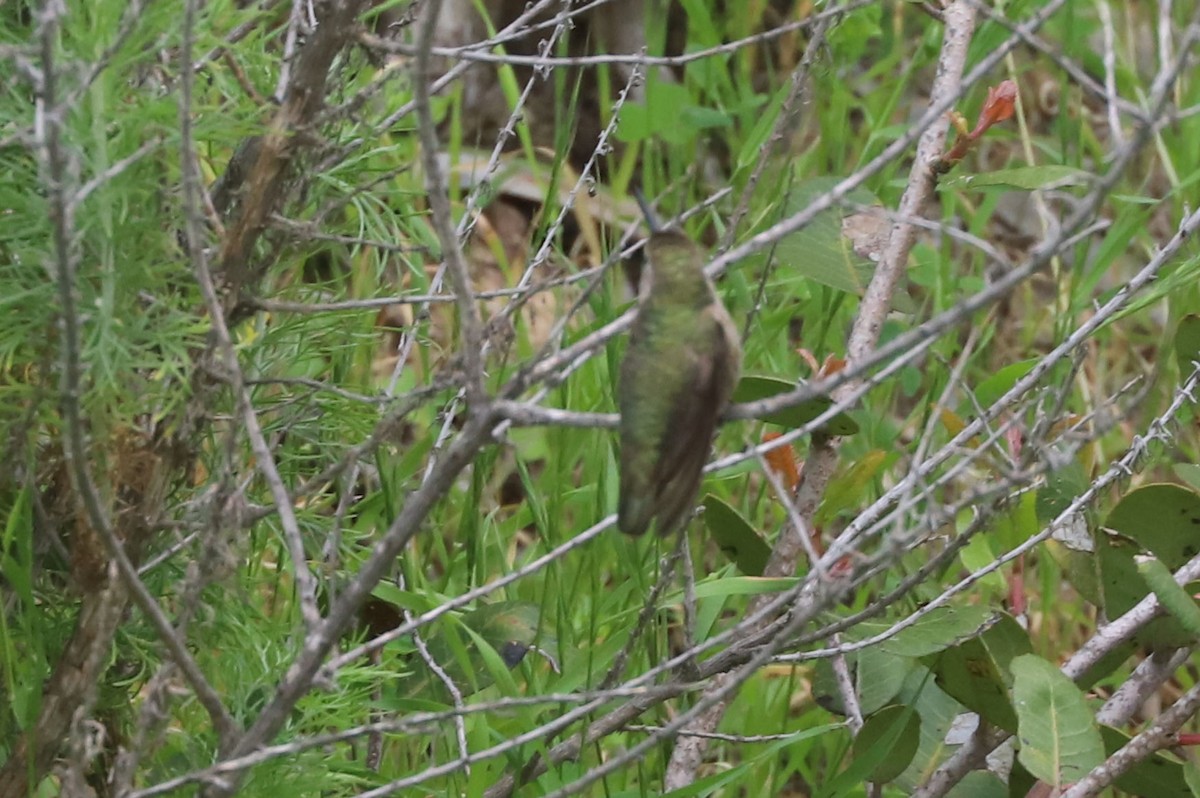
point(998, 384)
point(1059, 740)
point(978, 673)
point(1174, 598)
point(736, 538)
point(753, 388)
point(1189, 473)
point(940, 629)
point(878, 676)
point(1024, 177)
point(887, 742)
point(847, 489)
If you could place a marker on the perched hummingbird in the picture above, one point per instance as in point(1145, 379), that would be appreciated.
point(683, 361)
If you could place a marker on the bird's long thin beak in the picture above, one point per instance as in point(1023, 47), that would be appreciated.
point(647, 211)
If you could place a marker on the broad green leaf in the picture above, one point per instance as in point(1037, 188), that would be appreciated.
point(877, 678)
point(753, 388)
point(1081, 568)
point(1174, 598)
point(1118, 573)
point(938, 713)
point(1191, 774)
point(664, 114)
point(979, 553)
point(1072, 544)
point(1017, 524)
point(736, 538)
point(1059, 740)
point(887, 742)
point(1061, 487)
point(1163, 519)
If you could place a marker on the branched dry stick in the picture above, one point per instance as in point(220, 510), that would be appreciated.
point(1147, 678)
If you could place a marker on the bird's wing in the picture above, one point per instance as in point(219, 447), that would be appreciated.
point(687, 440)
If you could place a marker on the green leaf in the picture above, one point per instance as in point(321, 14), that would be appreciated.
point(1174, 598)
point(878, 677)
point(1062, 486)
point(1187, 344)
point(752, 388)
point(998, 384)
point(1163, 518)
point(1023, 177)
point(1189, 473)
point(1059, 740)
point(1081, 569)
point(1123, 587)
point(740, 586)
point(1159, 776)
point(751, 148)
point(1191, 774)
point(819, 252)
point(711, 784)
point(887, 742)
point(940, 629)
point(978, 672)
point(938, 713)
point(979, 784)
point(848, 489)
point(664, 114)
point(737, 539)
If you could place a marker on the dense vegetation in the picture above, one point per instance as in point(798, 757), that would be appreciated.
point(311, 316)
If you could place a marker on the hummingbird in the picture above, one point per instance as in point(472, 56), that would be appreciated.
point(682, 363)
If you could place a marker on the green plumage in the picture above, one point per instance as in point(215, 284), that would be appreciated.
point(683, 361)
